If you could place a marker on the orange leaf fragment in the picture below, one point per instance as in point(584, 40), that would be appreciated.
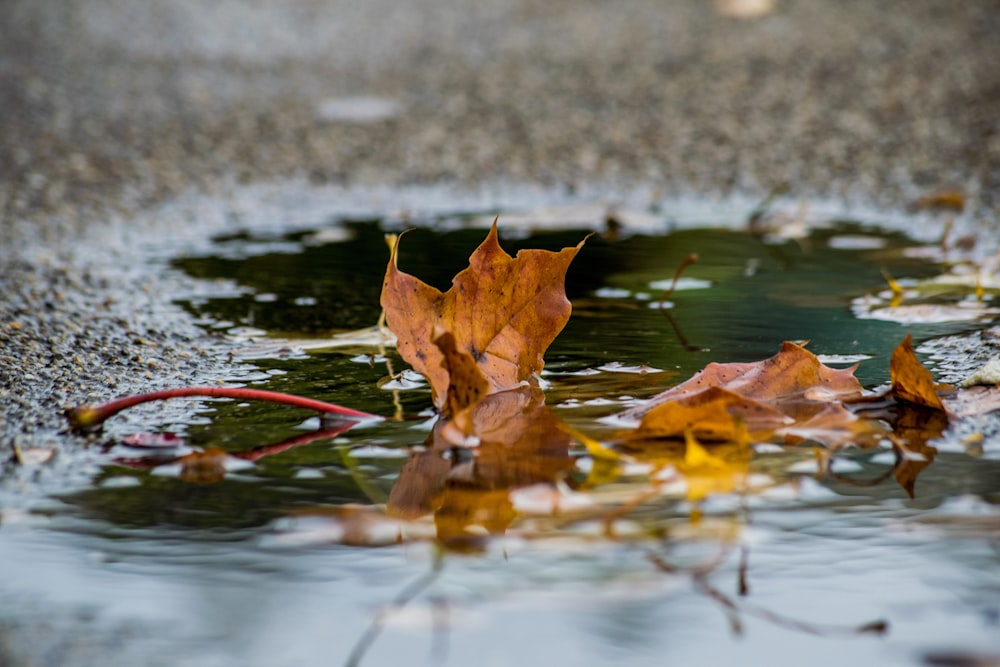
point(712, 415)
point(466, 384)
point(789, 398)
point(910, 380)
point(502, 311)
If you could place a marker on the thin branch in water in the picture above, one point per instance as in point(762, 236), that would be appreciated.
point(415, 588)
point(88, 417)
point(688, 261)
point(439, 640)
point(878, 627)
point(742, 587)
point(698, 571)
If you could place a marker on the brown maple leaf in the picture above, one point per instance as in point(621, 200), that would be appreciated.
point(502, 311)
point(791, 396)
point(791, 377)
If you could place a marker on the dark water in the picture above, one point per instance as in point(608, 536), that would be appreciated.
point(229, 572)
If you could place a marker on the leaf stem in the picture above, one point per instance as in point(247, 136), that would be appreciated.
point(86, 417)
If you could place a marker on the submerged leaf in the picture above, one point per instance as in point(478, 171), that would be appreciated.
point(503, 312)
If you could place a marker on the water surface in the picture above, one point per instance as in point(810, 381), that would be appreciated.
point(230, 568)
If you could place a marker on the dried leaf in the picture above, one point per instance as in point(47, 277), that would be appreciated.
point(910, 380)
point(502, 311)
point(466, 387)
point(466, 384)
point(792, 376)
point(790, 397)
point(712, 415)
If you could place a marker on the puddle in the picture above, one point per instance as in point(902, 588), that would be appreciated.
point(225, 555)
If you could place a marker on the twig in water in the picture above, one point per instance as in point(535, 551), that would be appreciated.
point(88, 417)
point(404, 598)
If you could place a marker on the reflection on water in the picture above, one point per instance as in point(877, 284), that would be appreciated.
point(248, 539)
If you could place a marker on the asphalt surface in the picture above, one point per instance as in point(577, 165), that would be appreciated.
point(114, 108)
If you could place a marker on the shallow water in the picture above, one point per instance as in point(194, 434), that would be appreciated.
point(243, 568)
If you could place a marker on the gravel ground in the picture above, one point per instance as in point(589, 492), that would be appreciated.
point(114, 108)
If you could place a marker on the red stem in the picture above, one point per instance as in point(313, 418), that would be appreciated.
point(89, 416)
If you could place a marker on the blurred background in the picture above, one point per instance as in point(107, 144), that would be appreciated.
point(121, 102)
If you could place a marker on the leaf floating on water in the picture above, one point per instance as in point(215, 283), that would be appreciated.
point(789, 398)
point(910, 380)
point(794, 375)
point(503, 312)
